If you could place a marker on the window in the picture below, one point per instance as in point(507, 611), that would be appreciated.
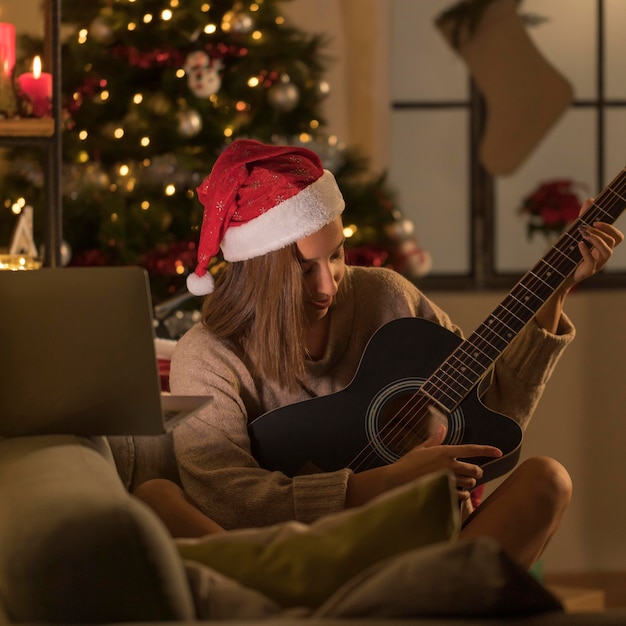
point(465, 216)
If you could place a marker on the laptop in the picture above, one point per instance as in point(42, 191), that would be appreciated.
point(78, 355)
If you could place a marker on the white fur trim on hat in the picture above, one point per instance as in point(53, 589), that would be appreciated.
point(200, 285)
point(297, 217)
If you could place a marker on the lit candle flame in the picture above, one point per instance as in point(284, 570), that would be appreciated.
point(36, 67)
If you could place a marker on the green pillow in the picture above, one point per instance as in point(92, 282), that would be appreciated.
point(302, 565)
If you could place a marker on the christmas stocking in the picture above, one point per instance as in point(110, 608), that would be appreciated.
point(524, 94)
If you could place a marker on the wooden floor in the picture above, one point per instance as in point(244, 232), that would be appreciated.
point(613, 584)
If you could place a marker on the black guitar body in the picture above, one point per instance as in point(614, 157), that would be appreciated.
point(346, 429)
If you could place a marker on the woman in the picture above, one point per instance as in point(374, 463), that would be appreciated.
point(287, 320)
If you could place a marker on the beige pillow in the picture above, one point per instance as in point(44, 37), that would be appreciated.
point(302, 565)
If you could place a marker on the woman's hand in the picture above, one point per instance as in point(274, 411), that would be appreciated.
point(599, 241)
point(430, 456)
point(596, 249)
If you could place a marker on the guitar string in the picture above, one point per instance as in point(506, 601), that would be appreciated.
point(562, 258)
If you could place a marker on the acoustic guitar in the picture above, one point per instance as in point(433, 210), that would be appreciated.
point(415, 374)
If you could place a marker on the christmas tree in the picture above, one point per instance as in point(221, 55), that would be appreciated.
point(153, 91)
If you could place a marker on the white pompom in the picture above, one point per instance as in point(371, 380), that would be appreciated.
point(200, 285)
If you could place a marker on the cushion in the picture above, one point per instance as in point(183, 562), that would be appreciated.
point(468, 578)
point(76, 547)
point(302, 565)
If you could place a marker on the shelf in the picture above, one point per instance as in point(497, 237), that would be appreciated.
point(27, 127)
point(46, 132)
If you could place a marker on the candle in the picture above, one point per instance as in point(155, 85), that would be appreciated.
point(37, 86)
point(7, 48)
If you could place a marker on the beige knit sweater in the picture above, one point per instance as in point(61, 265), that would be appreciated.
point(213, 449)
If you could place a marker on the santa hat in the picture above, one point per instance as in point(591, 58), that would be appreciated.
point(259, 198)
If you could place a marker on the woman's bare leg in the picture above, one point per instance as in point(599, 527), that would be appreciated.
point(523, 513)
point(179, 514)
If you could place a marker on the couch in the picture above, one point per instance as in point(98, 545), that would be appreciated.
point(76, 547)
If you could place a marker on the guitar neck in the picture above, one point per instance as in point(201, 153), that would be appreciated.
point(467, 365)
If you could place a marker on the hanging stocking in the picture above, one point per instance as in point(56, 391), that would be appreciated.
point(524, 94)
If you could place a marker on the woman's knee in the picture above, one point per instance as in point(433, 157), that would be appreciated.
point(157, 489)
point(546, 481)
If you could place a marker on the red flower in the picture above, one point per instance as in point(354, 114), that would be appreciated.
point(552, 206)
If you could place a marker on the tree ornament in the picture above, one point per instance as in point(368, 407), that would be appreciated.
point(203, 76)
point(283, 95)
point(408, 257)
point(400, 229)
point(237, 21)
point(411, 260)
point(322, 88)
point(189, 122)
point(101, 31)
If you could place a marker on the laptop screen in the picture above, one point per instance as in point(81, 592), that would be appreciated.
point(78, 352)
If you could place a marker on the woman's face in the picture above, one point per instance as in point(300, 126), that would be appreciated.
point(322, 259)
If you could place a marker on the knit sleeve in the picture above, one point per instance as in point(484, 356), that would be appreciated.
point(217, 468)
point(521, 374)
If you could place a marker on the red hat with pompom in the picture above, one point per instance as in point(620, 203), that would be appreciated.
point(259, 198)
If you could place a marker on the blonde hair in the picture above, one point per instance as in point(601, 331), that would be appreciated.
point(258, 304)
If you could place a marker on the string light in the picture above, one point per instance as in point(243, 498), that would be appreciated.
point(18, 205)
point(82, 35)
point(209, 29)
point(166, 15)
point(170, 190)
point(349, 231)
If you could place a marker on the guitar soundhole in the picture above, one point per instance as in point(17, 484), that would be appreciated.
point(399, 418)
point(407, 420)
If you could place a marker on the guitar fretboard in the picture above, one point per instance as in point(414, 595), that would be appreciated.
point(467, 365)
